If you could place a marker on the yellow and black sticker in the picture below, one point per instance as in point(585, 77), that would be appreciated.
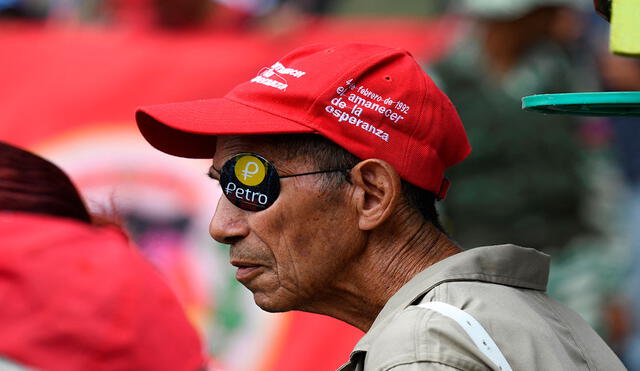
point(250, 182)
point(249, 170)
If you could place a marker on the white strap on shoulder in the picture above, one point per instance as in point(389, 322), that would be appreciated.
point(474, 329)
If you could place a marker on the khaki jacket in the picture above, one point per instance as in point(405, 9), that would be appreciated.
point(503, 288)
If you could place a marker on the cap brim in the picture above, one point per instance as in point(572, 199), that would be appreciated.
point(189, 129)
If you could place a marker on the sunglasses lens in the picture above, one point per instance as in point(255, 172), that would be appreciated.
point(250, 182)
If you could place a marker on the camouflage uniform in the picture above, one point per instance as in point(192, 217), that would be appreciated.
point(522, 183)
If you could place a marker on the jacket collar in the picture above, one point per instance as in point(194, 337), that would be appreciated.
point(508, 265)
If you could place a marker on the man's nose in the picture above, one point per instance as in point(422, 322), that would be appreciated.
point(228, 224)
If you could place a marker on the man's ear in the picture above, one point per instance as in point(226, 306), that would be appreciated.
point(378, 192)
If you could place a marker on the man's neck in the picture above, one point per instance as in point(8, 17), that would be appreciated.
point(383, 268)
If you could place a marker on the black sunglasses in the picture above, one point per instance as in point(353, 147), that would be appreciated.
point(252, 183)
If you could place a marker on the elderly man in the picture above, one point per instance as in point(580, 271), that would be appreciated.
point(330, 162)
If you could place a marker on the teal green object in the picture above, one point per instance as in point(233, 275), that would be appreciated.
point(621, 103)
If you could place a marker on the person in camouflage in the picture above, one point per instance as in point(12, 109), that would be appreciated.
point(523, 182)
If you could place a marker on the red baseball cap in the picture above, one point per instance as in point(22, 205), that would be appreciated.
point(77, 297)
point(373, 101)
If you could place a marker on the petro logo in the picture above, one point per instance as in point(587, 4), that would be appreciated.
point(249, 181)
point(249, 170)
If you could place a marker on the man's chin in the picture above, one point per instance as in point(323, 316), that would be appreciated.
point(272, 305)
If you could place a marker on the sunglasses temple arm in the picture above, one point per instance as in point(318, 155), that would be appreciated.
point(344, 171)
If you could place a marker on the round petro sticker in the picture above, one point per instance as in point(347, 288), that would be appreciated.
point(250, 182)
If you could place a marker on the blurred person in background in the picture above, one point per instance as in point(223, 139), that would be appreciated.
point(524, 182)
point(136, 14)
point(260, 8)
point(45, 10)
point(31, 184)
point(76, 296)
point(385, 8)
point(538, 180)
point(623, 74)
point(279, 17)
point(171, 14)
point(24, 9)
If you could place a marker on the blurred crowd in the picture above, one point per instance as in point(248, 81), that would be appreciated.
point(181, 14)
point(567, 185)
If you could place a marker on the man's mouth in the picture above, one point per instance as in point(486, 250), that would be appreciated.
point(246, 271)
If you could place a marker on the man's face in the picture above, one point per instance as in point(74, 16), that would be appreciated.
point(292, 254)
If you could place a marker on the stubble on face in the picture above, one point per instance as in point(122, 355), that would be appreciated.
point(303, 238)
point(300, 242)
